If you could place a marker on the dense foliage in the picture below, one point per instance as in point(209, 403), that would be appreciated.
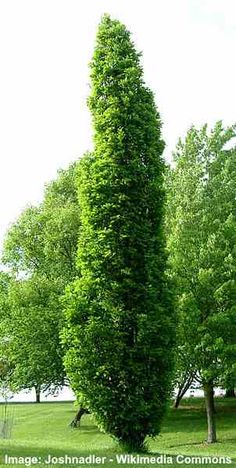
point(120, 328)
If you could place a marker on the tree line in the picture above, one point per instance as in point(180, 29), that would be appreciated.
point(121, 281)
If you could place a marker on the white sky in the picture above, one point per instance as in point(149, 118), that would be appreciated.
point(45, 46)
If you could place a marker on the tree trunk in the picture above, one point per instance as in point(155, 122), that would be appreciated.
point(183, 387)
point(37, 392)
point(76, 421)
point(178, 400)
point(230, 393)
point(210, 410)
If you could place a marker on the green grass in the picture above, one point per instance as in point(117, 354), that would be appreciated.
point(42, 429)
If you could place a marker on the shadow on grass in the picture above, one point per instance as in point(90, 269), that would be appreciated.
point(203, 443)
point(188, 418)
point(87, 428)
point(184, 421)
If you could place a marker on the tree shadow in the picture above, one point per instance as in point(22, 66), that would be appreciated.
point(86, 428)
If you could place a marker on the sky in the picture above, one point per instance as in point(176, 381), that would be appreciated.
point(188, 51)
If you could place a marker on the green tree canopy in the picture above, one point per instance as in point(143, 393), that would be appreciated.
point(44, 238)
point(40, 250)
point(30, 335)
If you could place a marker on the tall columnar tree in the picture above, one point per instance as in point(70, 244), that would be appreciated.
point(201, 224)
point(120, 327)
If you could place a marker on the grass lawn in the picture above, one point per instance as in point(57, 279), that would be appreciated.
point(39, 430)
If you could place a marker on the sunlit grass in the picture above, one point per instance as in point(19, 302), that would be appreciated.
point(39, 430)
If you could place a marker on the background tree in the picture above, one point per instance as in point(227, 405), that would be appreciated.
point(201, 223)
point(119, 319)
point(40, 249)
point(5, 365)
point(44, 238)
point(230, 385)
point(31, 329)
point(186, 375)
